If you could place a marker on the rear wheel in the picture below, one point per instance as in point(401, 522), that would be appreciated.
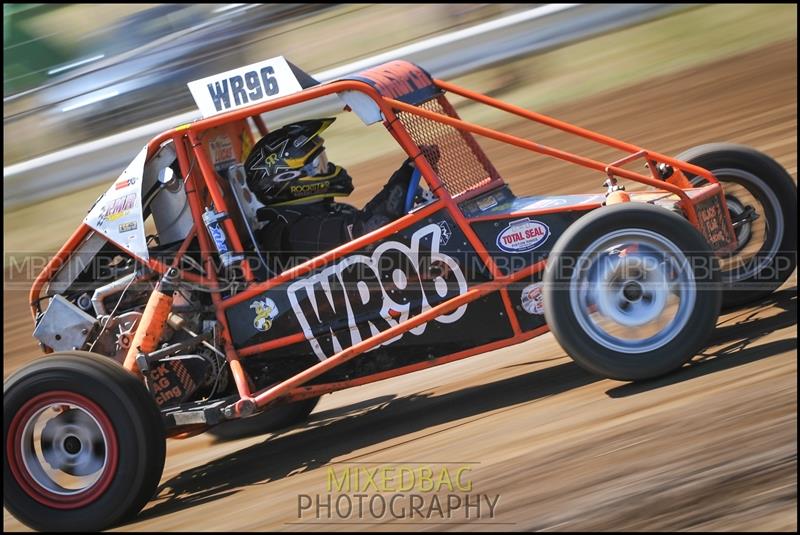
point(84, 443)
point(762, 201)
point(631, 291)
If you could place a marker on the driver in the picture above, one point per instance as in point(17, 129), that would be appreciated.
point(289, 172)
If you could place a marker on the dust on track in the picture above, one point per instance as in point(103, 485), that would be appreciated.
point(712, 447)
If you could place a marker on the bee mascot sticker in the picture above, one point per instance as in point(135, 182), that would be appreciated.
point(266, 311)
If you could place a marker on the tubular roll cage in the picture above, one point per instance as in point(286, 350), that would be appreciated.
point(292, 389)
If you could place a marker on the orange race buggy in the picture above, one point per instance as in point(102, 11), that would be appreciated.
point(163, 321)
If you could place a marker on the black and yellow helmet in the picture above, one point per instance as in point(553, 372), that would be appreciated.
point(289, 166)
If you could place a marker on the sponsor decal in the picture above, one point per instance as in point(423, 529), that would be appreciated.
point(268, 161)
point(286, 176)
point(127, 227)
point(532, 301)
point(542, 204)
point(116, 208)
point(218, 235)
point(258, 82)
point(221, 150)
point(446, 233)
point(309, 189)
point(523, 235)
point(713, 225)
point(486, 203)
point(246, 144)
point(266, 311)
point(396, 282)
point(124, 183)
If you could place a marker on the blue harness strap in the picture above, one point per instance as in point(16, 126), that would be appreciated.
point(413, 184)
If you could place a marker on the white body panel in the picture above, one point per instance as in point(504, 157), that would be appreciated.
point(117, 215)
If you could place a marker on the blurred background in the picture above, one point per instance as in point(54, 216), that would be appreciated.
point(85, 86)
point(87, 71)
point(77, 73)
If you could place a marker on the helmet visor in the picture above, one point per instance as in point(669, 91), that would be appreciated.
point(317, 166)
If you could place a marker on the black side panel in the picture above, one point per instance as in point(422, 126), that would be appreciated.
point(516, 243)
point(482, 322)
point(369, 291)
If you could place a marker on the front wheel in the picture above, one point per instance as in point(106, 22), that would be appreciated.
point(631, 291)
point(762, 201)
point(84, 443)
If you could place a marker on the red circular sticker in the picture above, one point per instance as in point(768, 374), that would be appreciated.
point(532, 299)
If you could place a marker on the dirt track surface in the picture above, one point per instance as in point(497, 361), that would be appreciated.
point(712, 447)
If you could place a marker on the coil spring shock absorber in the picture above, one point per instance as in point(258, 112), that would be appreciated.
point(153, 320)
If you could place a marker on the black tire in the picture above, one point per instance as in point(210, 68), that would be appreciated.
point(748, 174)
point(121, 409)
point(270, 420)
point(579, 333)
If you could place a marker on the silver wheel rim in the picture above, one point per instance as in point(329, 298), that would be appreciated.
point(632, 291)
point(64, 449)
point(756, 230)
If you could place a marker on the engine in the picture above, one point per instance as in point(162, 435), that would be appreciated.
point(100, 309)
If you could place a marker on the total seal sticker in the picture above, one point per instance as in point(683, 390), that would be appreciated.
point(533, 299)
point(522, 235)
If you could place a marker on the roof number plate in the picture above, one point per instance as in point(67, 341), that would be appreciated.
point(245, 86)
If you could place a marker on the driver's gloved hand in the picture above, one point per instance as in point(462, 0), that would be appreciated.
point(388, 204)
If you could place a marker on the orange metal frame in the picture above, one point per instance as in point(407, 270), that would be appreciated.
point(201, 187)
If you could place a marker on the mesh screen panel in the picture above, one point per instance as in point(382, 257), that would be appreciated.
point(462, 164)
